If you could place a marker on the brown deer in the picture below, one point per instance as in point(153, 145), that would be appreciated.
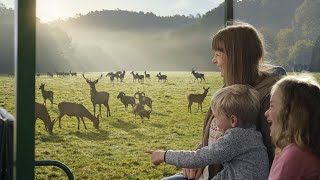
point(143, 99)
point(98, 97)
point(147, 75)
point(197, 98)
point(41, 112)
point(46, 94)
point(78, 110)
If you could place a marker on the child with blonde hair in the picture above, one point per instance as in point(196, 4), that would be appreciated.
point(240, 150)
point(294, 115)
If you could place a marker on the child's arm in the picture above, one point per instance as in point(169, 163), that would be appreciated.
point(225, 149)
point(157, 156)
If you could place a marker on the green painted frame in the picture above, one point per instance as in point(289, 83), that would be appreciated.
point(25, 57)
point(228, 13)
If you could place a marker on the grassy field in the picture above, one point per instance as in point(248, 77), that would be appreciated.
point(115, 151)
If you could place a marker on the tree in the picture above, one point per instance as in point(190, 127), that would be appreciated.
point(307, 19)
point(300, 53)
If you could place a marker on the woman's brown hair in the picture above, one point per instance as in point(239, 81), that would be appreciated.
point(244, 48)
point(299, 115)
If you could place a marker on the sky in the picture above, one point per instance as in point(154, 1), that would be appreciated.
point(48, 10)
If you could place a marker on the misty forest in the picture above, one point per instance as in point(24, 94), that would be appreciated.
point(111, 40)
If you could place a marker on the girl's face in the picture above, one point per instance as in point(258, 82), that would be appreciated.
point(273, 112)
point(223, 122)
point(219, 58)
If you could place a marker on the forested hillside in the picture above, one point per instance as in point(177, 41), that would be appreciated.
point(118, 39)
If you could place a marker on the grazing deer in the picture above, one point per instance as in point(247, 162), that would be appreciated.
point(198, 75)
point(41, 112)
point(197, 98)
point(78, 110)
point(98, 97)
point(46, 94)
point(137, 108)
point(144, 113)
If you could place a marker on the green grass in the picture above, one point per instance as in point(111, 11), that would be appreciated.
point(115, 151)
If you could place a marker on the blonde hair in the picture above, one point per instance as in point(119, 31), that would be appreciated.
point(299, 115)
point(244, 48)
point(239, 100)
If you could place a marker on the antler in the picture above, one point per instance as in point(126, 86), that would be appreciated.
point(86, 78)
point(98, 78)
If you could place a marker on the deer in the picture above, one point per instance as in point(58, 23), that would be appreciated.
point(126, 100)
point(139, 108)
point(77, 110)
point(41, 112)
point(140, 77)
point(112, 76)
point(147, 75)
point(121, 76)
point(143, 99)
point(134, 76)
point(197, 98)
point(98, 97)
point(49, 74)
point(59, 74)
point(198, 75)
point(46, 94)
point(73, 73)
point(162, 77)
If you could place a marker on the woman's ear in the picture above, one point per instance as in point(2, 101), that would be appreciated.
point(234, 121)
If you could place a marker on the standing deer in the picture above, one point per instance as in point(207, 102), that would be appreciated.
point(134, 76)
point(78, 110)
point(98, 97)
point(41, 112)
point(46, 94)
point(49, 74)
point(143, 99)
point(162, 77)
point(198, 75)
point(147, 75)
point(126, 100)
point(197, 98)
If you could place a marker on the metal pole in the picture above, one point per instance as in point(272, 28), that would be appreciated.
point(25, 24)
point(228, 13)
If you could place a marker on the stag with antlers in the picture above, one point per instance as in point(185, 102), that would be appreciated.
point(98, 97)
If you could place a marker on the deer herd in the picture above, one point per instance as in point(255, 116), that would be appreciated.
point(102, 98)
